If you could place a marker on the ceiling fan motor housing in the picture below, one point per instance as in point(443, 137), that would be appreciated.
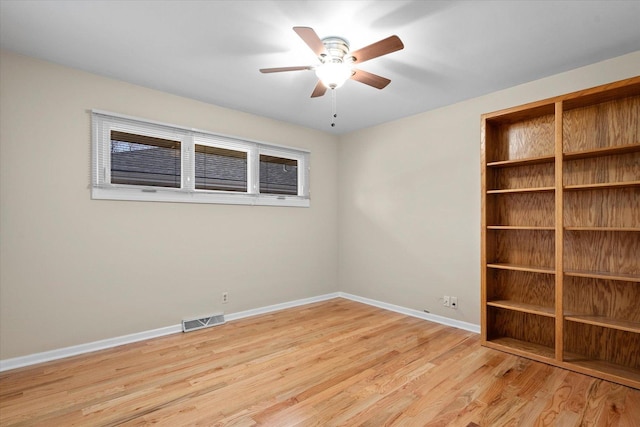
point(337, 48)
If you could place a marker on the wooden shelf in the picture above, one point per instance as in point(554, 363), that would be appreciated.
point(523, 348)
point(523, 307)
point(521, 190)
point(633, 229)
point(612, 372)
point(515, 267)
point(603, 275)
point(603, 185)
point(606, 322)
point(606, 151)
point(522, 162)
point(519, 227)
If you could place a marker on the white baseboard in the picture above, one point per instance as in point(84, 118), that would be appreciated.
point(471, 327)
point(281, 306)
point(61, 353)
point(47, 356)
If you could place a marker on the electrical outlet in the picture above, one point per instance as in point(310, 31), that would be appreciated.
point(225, 297)
point(446, 301)
point(454, 302)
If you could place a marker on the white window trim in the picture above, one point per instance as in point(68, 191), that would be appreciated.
point(104, 122)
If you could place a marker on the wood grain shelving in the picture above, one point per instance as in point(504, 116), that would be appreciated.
point(521, 190)
point(624, 229)
point(522, 162)
point(603, 185)
point(607, 370)
point(606, 322)
point(602, 151)
point(523, 348)
point(518, 227)
point(515, 267)
point(561, 232)
point(523, 307)
point(603, 275)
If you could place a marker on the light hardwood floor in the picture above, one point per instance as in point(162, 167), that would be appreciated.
point(331, 363)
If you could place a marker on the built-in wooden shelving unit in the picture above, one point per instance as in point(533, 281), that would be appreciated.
point(561, 231)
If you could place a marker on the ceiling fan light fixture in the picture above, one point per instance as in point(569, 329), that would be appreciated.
point(337, 61)
point(333, 74)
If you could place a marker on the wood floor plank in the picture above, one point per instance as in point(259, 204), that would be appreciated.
point(332, 363)
point(630, 413)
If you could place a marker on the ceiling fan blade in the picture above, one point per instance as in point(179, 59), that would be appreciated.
point(319, 90)
point(311, 39)
point(280, 69)
point(382, 47)
point(370, 79)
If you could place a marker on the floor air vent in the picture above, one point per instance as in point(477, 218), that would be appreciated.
point(203, 322)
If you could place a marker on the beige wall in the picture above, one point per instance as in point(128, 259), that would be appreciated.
point(75, 270)
point(402, 226)
point(409, 197)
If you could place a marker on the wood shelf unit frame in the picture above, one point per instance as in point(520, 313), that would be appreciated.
point(561, 231)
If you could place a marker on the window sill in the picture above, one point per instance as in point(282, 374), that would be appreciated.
point(182, 196)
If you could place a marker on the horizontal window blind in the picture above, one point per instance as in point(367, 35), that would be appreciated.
point(144, 160)
point(220, 169)
point(278, 175)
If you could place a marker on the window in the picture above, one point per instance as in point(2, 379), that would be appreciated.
point(141, 160)
point(278, 175)
point(221, 169)
point(144, 160)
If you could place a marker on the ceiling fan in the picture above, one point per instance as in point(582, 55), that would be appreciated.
point(336, 60)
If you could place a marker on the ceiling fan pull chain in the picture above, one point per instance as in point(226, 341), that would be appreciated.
point(334, 114)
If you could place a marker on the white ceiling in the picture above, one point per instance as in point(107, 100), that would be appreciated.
point(212, 50)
